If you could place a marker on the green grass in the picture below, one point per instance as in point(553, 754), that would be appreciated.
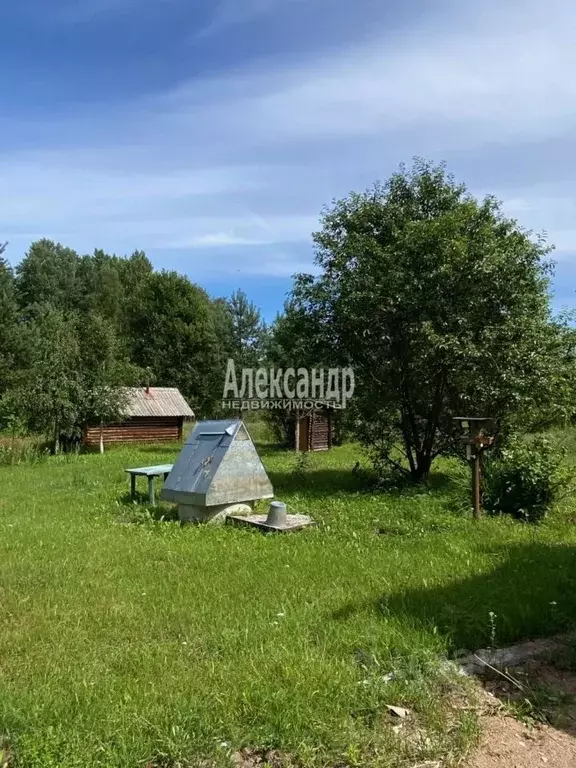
point(129, 640)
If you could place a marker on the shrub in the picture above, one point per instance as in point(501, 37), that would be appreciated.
point(525, 479)
point(21, 451)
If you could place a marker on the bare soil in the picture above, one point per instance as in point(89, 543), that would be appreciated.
point(509, 743)
point(535, 725)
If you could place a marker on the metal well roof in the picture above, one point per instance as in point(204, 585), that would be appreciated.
point(158, 401)
point(217, 465)
point(201, 456)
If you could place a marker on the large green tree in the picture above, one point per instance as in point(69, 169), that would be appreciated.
point(441, 304)
point(47, 392)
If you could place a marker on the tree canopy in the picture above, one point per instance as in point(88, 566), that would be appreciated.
point(441, 304)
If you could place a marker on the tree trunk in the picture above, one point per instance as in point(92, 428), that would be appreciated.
point(101, 437)
point(422, 468)
point(56, 439)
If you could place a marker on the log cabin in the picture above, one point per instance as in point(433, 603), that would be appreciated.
point(151, 414)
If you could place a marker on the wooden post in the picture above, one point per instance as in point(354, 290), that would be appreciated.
point(476, 484)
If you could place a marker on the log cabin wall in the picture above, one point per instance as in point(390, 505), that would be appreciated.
point(313, 432)
point(137, 429)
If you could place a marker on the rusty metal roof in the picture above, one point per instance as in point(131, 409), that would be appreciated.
point(157, 401)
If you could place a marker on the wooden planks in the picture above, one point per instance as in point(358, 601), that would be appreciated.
point(140, 429)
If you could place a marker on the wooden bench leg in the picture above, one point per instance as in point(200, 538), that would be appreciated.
point(151, 491)
point(132, 486)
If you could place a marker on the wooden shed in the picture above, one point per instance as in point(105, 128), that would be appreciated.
point(313, 431)
point(151, 414)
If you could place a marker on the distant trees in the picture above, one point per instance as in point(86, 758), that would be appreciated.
point(75, 329)
point(8, 315)
point(174, 330)
point(441, 305)
point(49, 275)
point(69, 374)
point(247, 330)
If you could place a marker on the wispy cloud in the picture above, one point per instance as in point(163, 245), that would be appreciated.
point(231, 12)
point(241, 163)
point(72, 11)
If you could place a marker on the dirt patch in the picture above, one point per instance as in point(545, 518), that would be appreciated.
point(508, 743)
point(535, 724)
point(250, 758)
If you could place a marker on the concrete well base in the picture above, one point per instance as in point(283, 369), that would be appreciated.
point(188, 513)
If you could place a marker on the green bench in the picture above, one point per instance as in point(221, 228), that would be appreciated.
point(151, 473)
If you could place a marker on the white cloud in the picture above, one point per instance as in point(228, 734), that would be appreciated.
point(248, 158)
point(499, 77)
point(248, 230)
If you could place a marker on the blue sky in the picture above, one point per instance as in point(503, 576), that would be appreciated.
point(210, 133)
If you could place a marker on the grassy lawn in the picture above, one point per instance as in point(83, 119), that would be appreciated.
point(128, 640)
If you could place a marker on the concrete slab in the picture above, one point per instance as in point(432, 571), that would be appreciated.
point(292, 522)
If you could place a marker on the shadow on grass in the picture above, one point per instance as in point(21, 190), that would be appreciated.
point(139, 509)
point(532, 594)
point(322, 482)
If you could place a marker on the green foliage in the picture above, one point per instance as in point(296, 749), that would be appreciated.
point(21, 451)
point(525, 479)
point(48, 275)
point(8, 318)
point(75, 330)
point(173, 330)
point(294, 340)
point(71, 373)
point(301, 465)
point(247, 330)
point(49, 389)
point(441, 305)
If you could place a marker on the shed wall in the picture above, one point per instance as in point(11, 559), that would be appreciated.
point(321, 432)
point(137, 429)
point(314, 431)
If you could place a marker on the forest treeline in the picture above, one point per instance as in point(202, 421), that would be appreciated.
point(76, 328)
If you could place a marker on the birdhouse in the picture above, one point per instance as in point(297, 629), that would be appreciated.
point(476, 441)
point(217, 473)
point(474, 429)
